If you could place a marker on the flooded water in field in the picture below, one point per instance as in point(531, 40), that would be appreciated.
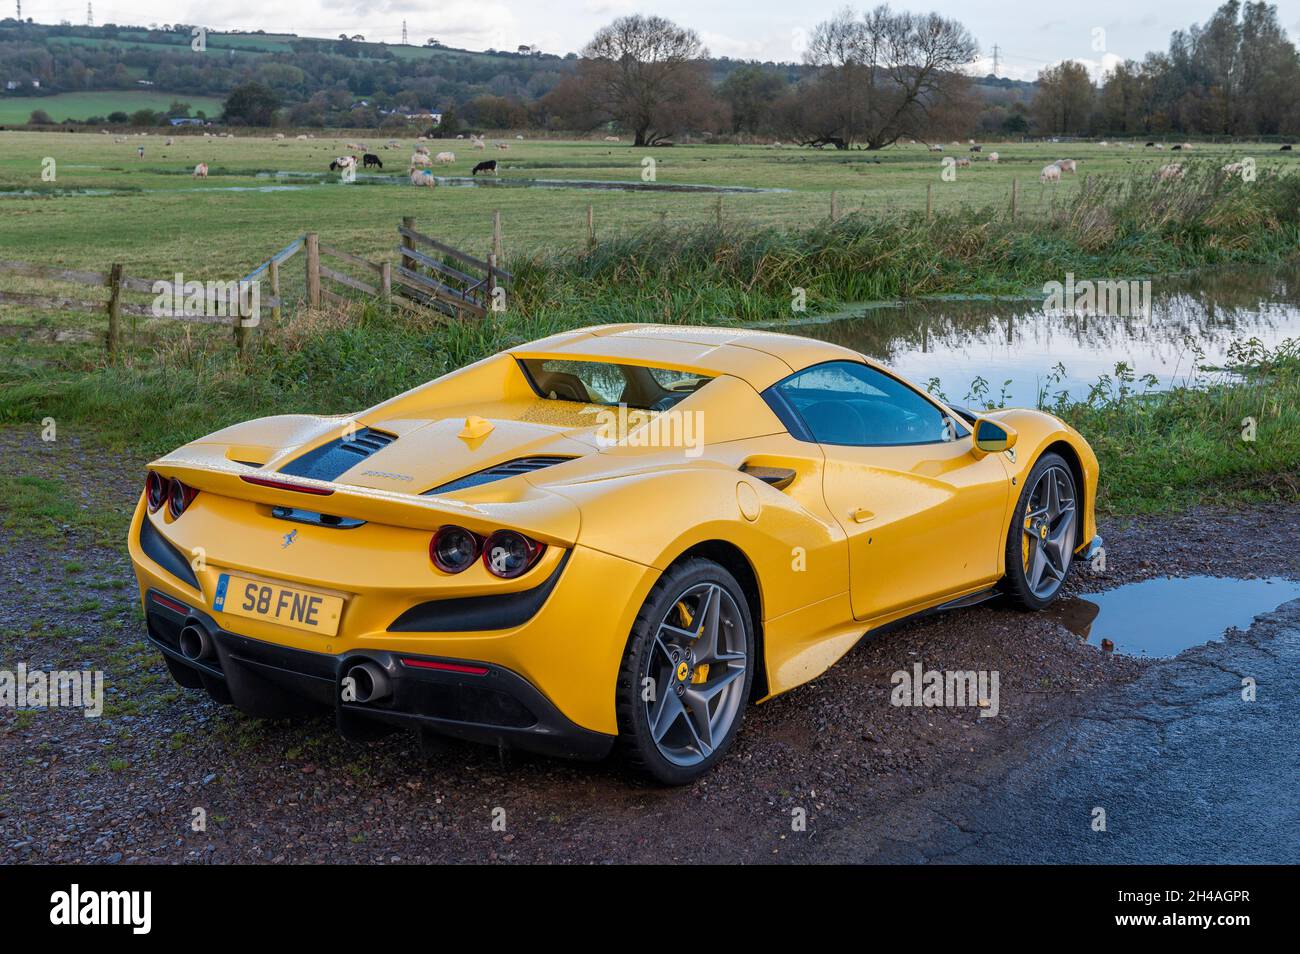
point(1000, 340)
point(1162, 617)
point(489, 181)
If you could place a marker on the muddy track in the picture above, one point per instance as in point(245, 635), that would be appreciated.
point(124, 787)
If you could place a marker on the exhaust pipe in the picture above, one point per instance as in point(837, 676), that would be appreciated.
point(195, 643)
point(369, 682)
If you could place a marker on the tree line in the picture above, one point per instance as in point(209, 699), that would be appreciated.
point(867, 80)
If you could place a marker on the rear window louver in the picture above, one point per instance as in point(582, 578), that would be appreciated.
point(511, 468)
point(329, 460)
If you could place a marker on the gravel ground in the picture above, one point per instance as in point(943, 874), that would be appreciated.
point(124, 787)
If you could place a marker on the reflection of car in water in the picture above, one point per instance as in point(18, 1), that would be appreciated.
point(479, 557)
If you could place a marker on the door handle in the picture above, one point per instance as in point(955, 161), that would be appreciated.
point(862, 515)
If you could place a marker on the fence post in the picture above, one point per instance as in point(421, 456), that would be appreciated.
point(591, 225)
point(492, 282)
point(929, 201)
point(496, 234)
point(835, 205)
point(408, 223)
point(386, 281)
point(1015, 198)
point(114, 309)
point(274, 269)
point(313, 269)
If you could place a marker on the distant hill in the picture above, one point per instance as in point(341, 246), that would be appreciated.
point(319, 81)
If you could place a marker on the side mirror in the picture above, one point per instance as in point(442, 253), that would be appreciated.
point(992, 437)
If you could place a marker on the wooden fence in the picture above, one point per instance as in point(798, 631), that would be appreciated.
point(422, 277)
point(451, 289)
point(115, 305)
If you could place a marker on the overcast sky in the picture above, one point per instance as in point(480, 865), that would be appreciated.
point(1029, 35)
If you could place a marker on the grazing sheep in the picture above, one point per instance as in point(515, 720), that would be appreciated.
point(1103, 143)
point(1173, 171)
point(477, 142)
point(460, 135)
point(420, 177)
point(1050, 173)
point(520, 138)
point(303, 137)
point(1067, 165)
point(343, 163)
point(612, 139)
point(502, 146)
point(963, 162)
point(446, 158)
point(976, 148)
point(420, 159)
point(279, 135)
point(1149, 145)
point(370, 159)
point(1160, 145)
point(168, 142)
point(993, 157)
point(936, 148)
point(423, 150)
point(1233, 168)
point(489, 166)
point(1285, 148)
point(201, 171)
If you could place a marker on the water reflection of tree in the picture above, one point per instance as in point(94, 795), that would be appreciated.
point(1211, 309)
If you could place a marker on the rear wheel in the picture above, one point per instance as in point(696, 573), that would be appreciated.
point(687, 673)
point(1042, 535)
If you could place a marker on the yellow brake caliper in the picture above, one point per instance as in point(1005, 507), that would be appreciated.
point(684, 614)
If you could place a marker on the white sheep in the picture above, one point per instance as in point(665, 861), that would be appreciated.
point(1172, 171)
point(201, 171)
point(1067, 165)
point(963, 162)
point(1050, 173)
point(420, 159)
point(419, 177)
point(993, 157)
point(445, 157)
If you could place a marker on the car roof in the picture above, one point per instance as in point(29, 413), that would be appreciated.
point(759, 357)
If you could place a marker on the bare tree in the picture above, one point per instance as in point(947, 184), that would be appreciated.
point(639, 70)
point(881, 76)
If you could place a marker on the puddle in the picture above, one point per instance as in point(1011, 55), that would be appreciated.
point(1162, 617)
point(1013, 339)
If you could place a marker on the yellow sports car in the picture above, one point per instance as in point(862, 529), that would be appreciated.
point(622, 534)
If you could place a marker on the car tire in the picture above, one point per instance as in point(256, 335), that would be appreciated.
point(1042, 535)
point(677, 735)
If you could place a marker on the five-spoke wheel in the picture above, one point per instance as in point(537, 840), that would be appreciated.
point(687, 673)
point(1043, 534)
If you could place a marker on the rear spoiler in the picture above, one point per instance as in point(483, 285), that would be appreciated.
point(544, 516)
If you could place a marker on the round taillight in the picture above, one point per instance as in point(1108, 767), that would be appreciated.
point(453, 549)
point(179, 497)
point(155, 491)
point(509, 553)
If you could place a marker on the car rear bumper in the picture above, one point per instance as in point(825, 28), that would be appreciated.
point(468, 699)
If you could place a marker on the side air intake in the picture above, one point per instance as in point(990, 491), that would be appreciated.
point(343, 453)
point(511, 468)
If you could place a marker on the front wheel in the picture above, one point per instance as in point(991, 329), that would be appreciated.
point(686, 674)
point(1042, 535)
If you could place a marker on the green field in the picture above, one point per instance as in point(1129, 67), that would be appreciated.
point(155, 219)
point(15, 109)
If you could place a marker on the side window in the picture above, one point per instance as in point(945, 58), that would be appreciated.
point(842, 402)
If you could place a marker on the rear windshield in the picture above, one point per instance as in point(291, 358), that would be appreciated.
point(603, 382)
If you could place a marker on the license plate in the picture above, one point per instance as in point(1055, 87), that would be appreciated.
point(301, 609)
